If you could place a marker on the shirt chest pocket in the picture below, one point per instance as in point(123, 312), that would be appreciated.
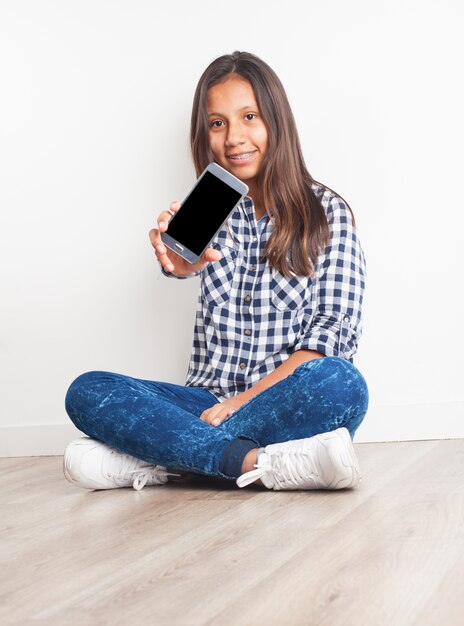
point(289, 294)
point(217, 278)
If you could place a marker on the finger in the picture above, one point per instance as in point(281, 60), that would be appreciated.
point(160, 250)
point(211, 414)
point(154, 237)
point(221, 416)
point(164, 259)
point(204, 415)
point(157, 242)
point(163, 221)
point(166, 216)
point(209, 256)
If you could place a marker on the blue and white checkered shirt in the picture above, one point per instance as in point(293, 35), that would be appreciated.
point(251, 318)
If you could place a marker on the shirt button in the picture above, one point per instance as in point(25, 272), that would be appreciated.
point(248, 332)
point(253, 268)
point(346, 318)
point(242, 366)
point(247, 298)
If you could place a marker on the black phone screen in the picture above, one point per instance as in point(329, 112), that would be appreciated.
point(203, 213)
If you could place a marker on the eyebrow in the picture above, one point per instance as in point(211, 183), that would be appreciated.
point(248, 106)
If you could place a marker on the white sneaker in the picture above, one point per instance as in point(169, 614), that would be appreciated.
point(326, 461)
point(91, 464)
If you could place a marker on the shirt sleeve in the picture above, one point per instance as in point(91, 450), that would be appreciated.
point(170, 275)
point(336, 326)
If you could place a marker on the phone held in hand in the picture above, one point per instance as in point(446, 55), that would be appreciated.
point(203, 212)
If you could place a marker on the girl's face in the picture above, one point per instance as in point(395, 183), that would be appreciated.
point(237, 134)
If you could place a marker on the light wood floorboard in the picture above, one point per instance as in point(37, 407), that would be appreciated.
point(201, 552)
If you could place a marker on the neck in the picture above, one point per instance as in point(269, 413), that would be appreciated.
point(255, 194)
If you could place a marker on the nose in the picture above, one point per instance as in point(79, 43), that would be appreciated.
point(235, 135)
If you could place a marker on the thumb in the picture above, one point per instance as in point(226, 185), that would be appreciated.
point(210, 256)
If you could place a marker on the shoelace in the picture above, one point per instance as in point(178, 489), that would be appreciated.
point(153, 473)
point(289, 468)
point(142, 474)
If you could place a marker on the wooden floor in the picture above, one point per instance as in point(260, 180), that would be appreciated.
point(203, 552)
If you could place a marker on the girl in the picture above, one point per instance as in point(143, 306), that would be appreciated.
point(271, 394)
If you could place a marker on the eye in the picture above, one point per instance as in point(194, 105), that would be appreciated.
point(250, 116)
point(216, 123)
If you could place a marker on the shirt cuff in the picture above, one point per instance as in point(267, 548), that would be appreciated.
point(332, 338)
point(171, 275)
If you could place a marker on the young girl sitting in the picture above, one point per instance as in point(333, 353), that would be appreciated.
point(271, 395)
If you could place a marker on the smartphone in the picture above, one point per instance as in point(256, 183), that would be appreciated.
point(203, 212)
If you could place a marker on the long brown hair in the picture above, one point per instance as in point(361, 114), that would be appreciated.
point(300, 225)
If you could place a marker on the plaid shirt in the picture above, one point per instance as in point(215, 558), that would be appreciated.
point(250, 318)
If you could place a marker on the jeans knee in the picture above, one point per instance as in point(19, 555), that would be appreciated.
point(339, 382)
point(350, 383)
point(76, 399)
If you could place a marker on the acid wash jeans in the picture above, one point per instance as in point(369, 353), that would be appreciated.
point(159, 422)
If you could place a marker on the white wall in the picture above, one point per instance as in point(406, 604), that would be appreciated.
point(95, 108)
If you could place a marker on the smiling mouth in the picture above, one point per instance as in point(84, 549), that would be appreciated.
point(240, 157)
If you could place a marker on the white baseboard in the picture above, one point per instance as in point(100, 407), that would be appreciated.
point(441, 420)
point(37, 440)
point(382, 423)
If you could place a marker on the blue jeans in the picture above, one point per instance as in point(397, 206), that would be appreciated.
point(159, 422)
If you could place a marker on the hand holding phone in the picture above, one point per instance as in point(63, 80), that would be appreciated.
point(167, 258)
point(195, 223)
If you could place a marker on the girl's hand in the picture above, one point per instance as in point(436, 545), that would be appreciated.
point(169, 260)
point(216, 414)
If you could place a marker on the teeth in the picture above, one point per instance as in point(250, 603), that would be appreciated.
point(240, 156)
